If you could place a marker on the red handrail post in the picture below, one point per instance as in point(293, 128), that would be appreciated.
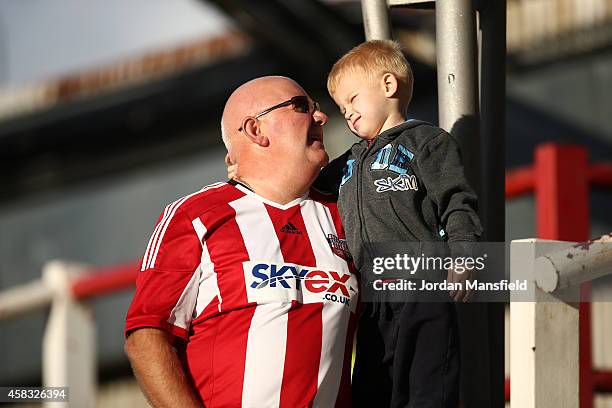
point(562, 192)
point(562, 213)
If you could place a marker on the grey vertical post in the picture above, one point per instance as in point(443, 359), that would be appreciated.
point(493, 115)
point(458, 79)
point(376, 19)
point(492, 15)
point(456, 51)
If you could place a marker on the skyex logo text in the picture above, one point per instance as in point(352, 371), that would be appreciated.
point(270, 282)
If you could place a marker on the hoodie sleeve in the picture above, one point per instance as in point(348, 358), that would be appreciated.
point(330, 177)
point(438, 164)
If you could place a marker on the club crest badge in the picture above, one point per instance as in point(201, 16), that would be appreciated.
point(339, 247)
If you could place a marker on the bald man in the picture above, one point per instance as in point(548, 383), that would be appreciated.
point(246, 295)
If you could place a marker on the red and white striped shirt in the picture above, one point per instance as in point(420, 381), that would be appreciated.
point(263, 294)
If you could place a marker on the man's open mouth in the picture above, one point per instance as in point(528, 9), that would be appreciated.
point(315, 138)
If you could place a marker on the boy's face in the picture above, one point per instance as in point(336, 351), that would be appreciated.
point(363, 103)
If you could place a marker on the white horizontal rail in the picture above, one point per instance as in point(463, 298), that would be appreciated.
point(24, 299)
point(581, 262)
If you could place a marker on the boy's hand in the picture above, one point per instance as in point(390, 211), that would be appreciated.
point(232, 169)
point(456, 277)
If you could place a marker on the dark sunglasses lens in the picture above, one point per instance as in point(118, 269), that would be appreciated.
point(301, 104)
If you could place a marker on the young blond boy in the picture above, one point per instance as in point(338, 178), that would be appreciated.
point(403, 182)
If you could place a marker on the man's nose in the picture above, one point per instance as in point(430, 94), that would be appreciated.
point(347, 115)
point(319, 117)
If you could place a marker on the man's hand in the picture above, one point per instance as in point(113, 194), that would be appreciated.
point(232, 168)
point(158, 370)
point(456, 277)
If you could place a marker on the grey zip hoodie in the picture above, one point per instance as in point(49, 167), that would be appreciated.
point(408, 185)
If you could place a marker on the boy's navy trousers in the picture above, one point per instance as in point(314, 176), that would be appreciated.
point(407, 356)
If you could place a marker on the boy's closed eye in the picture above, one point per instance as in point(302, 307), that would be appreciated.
point(352, 100)
point(350, 103)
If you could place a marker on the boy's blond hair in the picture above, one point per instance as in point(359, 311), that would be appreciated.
point(373, 58)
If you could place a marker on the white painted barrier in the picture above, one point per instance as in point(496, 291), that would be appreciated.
point(576, 264)
point(69, 342)
point(544, 339)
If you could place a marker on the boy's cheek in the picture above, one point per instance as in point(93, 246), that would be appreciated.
point(348, 123)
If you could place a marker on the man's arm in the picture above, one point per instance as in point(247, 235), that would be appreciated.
point(158, 370)
point(330, 177)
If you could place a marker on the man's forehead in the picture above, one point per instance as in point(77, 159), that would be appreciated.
point(259, 94)
point(273, 92)
point(282, 89)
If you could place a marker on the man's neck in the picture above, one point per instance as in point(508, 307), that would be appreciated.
point(273, 189)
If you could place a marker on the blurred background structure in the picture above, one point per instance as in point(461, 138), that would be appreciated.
point(110, 110)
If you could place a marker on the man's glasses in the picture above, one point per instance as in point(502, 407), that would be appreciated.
point(299, 104)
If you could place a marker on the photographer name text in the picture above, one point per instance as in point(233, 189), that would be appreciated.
point(411, 285)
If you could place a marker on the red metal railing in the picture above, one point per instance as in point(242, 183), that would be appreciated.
point(106, 280)
point(560, 178)
point(520, 181)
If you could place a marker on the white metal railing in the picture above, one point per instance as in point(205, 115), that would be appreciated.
point(545, 335)
point(69, 341)
point(574, 265)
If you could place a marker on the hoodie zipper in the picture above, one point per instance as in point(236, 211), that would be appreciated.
point(364, 234)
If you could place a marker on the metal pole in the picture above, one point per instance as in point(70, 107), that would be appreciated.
point(69, 343)
point(458, 114)
point(492, 19)
point(493, 116)
point(544, 340)
point(458, 79)
point(24, 299)
point(580, 263)
point(562, 194)
point(376, 19)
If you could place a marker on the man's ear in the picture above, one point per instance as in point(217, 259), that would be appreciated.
point(389, 84)
point(252, 130)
